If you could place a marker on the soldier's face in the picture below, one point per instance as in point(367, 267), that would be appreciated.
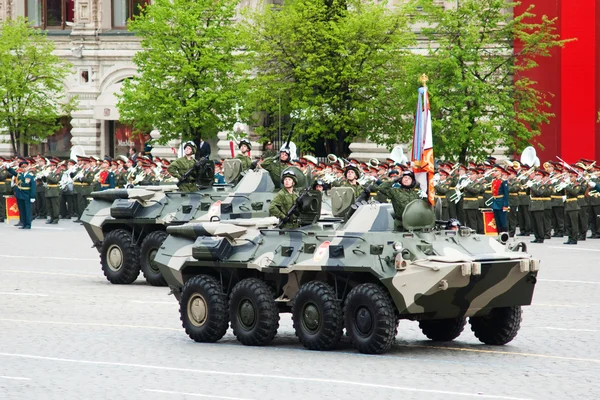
point(406, 180)
point(288, 183)
point(188, 150)
point(351, 175)
point(283, 156)
point(319, 188)
point(244, 149)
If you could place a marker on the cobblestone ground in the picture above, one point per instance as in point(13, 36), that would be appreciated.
point(66, 333)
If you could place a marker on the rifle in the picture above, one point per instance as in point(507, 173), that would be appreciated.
point(293, 209)
point(190, 171)
point(289, 138)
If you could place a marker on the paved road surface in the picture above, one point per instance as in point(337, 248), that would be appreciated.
point(66, 333)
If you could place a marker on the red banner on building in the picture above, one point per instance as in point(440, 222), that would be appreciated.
point(489, 223)
point(12, 209)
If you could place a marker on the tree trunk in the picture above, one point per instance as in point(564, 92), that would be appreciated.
point(13, 142)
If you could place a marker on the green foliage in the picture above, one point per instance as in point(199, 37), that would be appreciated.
point(480, 98)
point(31, 84)
point(333, 64)
point(188, 71)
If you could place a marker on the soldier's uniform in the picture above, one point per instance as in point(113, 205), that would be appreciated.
point(513, 202)
point(39, 207)
point(179, 167)
point(400, 197)
point(442, 190)
point(452, 207)
point(538, 192)
point(572, 213)
point(558, 213)
point(52, 197)
point(275, 167)
point(471, 204)
point(25, 190)
point(548, 211)
point(525, 224)
point(283, 202)
point(583, 214)
point(5, 190)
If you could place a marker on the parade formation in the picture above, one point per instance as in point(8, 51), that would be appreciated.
point(553, 200)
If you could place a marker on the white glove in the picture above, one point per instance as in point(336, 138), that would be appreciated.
point(32, 200)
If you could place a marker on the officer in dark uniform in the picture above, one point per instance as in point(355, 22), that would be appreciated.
point(525, 223)
point(594, 207)
point(442, 191)
point(572, 207)
point(538, 193)
point(24, 192)
point(471, 201)
point(513, 201)
point(51, 182)
point(5, 188)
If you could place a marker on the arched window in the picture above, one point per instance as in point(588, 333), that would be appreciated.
point(50, 14)
point(123, 10)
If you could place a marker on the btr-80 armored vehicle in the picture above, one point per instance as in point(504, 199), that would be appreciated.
point(127, 226)
point(360, 275)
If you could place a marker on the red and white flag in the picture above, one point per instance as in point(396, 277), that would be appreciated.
point(422, 149)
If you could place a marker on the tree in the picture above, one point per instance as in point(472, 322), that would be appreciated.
point(481, 97)
point(331, 65)
point(188, 69)
point(32, 99)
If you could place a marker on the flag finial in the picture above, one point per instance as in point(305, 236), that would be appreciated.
point(423, 79)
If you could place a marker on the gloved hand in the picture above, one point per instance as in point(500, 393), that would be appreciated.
point(32, 200)
point(254, 165)
point(44, 179)
point(72, 174)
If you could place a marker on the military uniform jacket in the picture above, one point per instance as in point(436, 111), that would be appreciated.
point(246, 161)
point(538, 191)
point(274, 168)
point(399, 197)
point(178, 168)
point(582, 200)
point(441, 192)
point(593, 194)
point(358, 189)
point(470, 196)
point(5, 180)
point(524, 199)
point(25, 188)
point(513, 193)
point(500, 196)
point(548, 197)
point(281, 204)
point(572, 203)
point(52, 189)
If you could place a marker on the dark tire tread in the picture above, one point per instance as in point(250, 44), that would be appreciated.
point(130, 269)
point(385, 321)
point(218, 313)
point(332, 328)
point(152, 241)
point(499, 327)
point(443, 330)
point(268, 314)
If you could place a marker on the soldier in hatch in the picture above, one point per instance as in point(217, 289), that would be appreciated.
point(275, 165)
point(285, 199)
point(244, 146)
point(408, 191)
point(179, 167)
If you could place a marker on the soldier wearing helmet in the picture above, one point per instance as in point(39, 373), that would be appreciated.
point(179, 167)
point(400, 196)
point(244, 146)
point(285, 199)
point(276, 165)
point(352, 174)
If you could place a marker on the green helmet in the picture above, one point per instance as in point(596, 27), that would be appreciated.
point(191, 144)
point(289, 174)
point(352, 167)
point(246, 142)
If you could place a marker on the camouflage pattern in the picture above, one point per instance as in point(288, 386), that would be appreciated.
point(428, 274)
point(281, 204)
point(177, 169)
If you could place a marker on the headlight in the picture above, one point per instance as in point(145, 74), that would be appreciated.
point(397, 246)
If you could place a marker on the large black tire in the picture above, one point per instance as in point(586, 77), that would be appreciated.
point(148, 249)
point(499, 327)
point(254, 314)
point(443, 330)
point(317, 316)
point(120, 257)
point(370, 320)
point(203, 309)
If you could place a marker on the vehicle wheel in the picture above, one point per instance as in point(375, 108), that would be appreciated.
point(370, 320)
point(317, 316)
point(148, 250)
point(499, 327)
point(203, 309)
point(120, 257)
point(254, 314)
point(443, 330)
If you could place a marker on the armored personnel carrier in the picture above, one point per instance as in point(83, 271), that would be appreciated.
point(127, 226)
point(359, 275)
